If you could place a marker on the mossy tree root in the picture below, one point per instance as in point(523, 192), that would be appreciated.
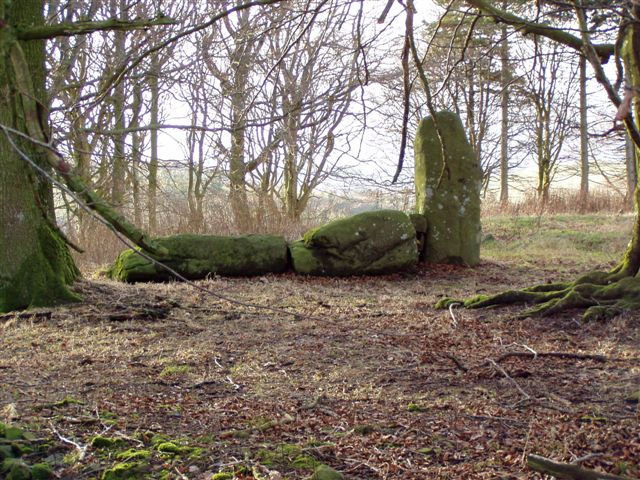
point(601, 294)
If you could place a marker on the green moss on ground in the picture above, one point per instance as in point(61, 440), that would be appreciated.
point(325, 472)
point(14, 443)
point(125, 470)
point(100, 441)
point(286, 456)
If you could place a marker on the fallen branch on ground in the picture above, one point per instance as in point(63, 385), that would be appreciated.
point(567, 470)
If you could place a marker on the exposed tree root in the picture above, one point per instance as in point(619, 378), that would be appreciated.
point(603, 294)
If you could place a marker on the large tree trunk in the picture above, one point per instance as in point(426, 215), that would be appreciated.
point(35, 265)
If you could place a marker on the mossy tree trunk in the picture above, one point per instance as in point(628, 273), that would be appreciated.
point(35, 266)
point(602, 294)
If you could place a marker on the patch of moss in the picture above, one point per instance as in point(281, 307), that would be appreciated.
point(13, 433)
point(100, 441)
point(287, 456)
point(65, 402)
point(124, 470)
point(414, 407)
point(175, 370)
point(325, 472)
point(15, 469)
point(42, 278)
point(133, 454)
point(7, 451)
point(223, 476)
point(174, 449)
point(41, 471)
point(429, 450)
point(365, 429)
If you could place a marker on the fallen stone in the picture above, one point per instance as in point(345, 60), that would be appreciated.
point(198, 256)
point(369, 243)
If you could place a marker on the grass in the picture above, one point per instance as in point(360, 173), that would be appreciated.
point(564, 240)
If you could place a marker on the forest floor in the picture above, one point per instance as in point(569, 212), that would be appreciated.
point(365, 376)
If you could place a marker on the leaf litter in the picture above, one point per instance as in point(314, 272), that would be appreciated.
point(366, 377)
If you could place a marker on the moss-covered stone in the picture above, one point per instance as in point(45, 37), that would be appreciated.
point(197, 256)
point(419, 222)
point(448, 193)
point(369, 243)
point(325, 472)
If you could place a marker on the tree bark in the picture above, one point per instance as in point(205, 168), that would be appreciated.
point(153, 161)
point(36, 268)
point(584, 137)
point(504, 124)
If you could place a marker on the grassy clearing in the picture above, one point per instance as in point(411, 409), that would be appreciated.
point(587, 241)
point(367, 378)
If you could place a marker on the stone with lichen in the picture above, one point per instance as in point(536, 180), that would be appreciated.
point(448, 193)
point(369, 243)
point(198, 256)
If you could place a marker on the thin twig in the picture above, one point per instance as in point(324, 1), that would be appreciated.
point(511, 380)
point(81, 448)
point(453, 317)
point(534, 355)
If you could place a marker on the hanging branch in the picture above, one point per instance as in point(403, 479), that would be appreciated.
point(406, 98)
point(590, 53)
point(603, 51)
point(70, 29)
point(410, 9)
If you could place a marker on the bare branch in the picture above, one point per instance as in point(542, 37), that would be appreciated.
point(45, 32)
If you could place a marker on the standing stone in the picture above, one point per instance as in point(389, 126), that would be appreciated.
point(449, 198)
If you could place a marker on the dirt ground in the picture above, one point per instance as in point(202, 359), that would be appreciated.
point(365, 377)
